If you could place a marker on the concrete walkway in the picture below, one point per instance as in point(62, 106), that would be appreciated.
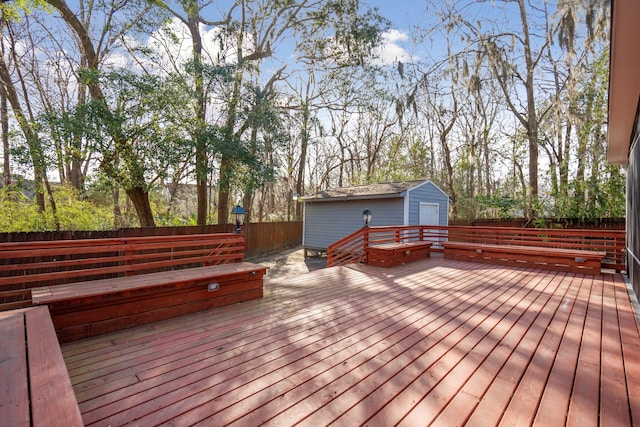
point(290, 263)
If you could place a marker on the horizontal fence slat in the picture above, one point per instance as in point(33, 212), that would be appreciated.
point(611, 241)
point(260, 237)
point(30, 260)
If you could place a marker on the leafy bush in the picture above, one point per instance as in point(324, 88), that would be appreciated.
point(19, 213)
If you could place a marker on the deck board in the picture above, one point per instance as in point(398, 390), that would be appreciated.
point(437, 341)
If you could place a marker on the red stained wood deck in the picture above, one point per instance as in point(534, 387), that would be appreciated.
point(434, 342)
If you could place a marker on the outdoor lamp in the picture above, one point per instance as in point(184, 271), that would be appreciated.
point(366, 217)
point(239, 212)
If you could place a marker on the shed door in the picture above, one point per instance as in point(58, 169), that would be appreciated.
point(429, 213)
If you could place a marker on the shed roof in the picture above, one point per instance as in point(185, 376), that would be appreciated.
point(369, 191)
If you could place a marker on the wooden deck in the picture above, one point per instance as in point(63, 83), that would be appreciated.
point(434, 342)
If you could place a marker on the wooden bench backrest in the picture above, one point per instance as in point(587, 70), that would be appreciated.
point(26, 265)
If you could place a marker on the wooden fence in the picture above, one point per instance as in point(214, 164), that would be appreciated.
point(601, 224)
point(261, 238)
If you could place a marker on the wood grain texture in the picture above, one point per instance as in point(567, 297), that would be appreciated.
point(85, 309)
point(560, 259)
point(14, 386)
point(435, 341)
point(35, 389)
point(34, 264)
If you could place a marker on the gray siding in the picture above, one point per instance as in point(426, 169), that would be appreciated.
point(427, 193)
point(329, 221)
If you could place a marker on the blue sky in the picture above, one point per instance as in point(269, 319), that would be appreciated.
point(404, 15)
point(401, 12)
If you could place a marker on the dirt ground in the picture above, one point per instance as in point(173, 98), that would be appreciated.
point(290, 262)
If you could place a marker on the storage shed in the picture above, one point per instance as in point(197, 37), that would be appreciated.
point(333, 214)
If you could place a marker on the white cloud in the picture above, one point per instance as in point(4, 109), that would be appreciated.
point(391, 50)
point(172, 46)
point(118, 61)
point(394, 35)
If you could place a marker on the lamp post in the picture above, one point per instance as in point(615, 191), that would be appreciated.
point(366, 217)
point(239, 212)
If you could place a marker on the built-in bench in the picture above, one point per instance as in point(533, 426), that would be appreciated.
point(36, 389)
point(397, 253)
point(94, 286)
point(577, 261)
point(96, 307)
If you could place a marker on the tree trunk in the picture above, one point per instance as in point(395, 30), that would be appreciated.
point(247, 204)
point(118, 219)
point(447, 162)
point(4, 123)
point(140, 200)
point(35, 150)
point(136, 192)
point(38, 188)
point(75, 175)
point(52, 202)
point(223, 191)
point(225, 163)
point(202, 160)
point(304, 143)
point(532, 118)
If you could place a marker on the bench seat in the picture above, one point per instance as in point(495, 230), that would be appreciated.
point(94, 307)
point(561, 259)
point(36, 389)
point(393, 254)
point(34, 264)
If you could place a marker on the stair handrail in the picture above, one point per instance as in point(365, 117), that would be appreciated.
point(348, 250)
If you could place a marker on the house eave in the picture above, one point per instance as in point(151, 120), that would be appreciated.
point(624, 80)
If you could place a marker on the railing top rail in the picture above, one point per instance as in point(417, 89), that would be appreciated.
point(613, 241)
point(503, 230)
point(7, 246)
point(351, 236)
point(349, 249)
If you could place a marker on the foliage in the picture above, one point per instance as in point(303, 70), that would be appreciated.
point(340, 34)
point(295, 96)
point(505, 204)
point(151, 124)
point(21, 214)
point(13, 10)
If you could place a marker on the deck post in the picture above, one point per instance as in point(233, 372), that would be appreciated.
point(365, 243)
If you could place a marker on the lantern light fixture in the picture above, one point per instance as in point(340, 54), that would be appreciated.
point(239, 213)
point(366, 217)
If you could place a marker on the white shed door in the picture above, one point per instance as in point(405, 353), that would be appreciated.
point(429, 213)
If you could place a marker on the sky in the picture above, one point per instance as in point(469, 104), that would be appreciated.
point(404, 16)
point(397, 44)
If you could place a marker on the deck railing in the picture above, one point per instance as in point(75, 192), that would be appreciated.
point(352, 248)
point(261, 238)
point(27, 265)
point(349, 249)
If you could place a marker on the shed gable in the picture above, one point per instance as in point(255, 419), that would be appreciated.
point(430, 193)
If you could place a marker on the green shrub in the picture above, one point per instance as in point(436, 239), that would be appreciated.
point(18, 213)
